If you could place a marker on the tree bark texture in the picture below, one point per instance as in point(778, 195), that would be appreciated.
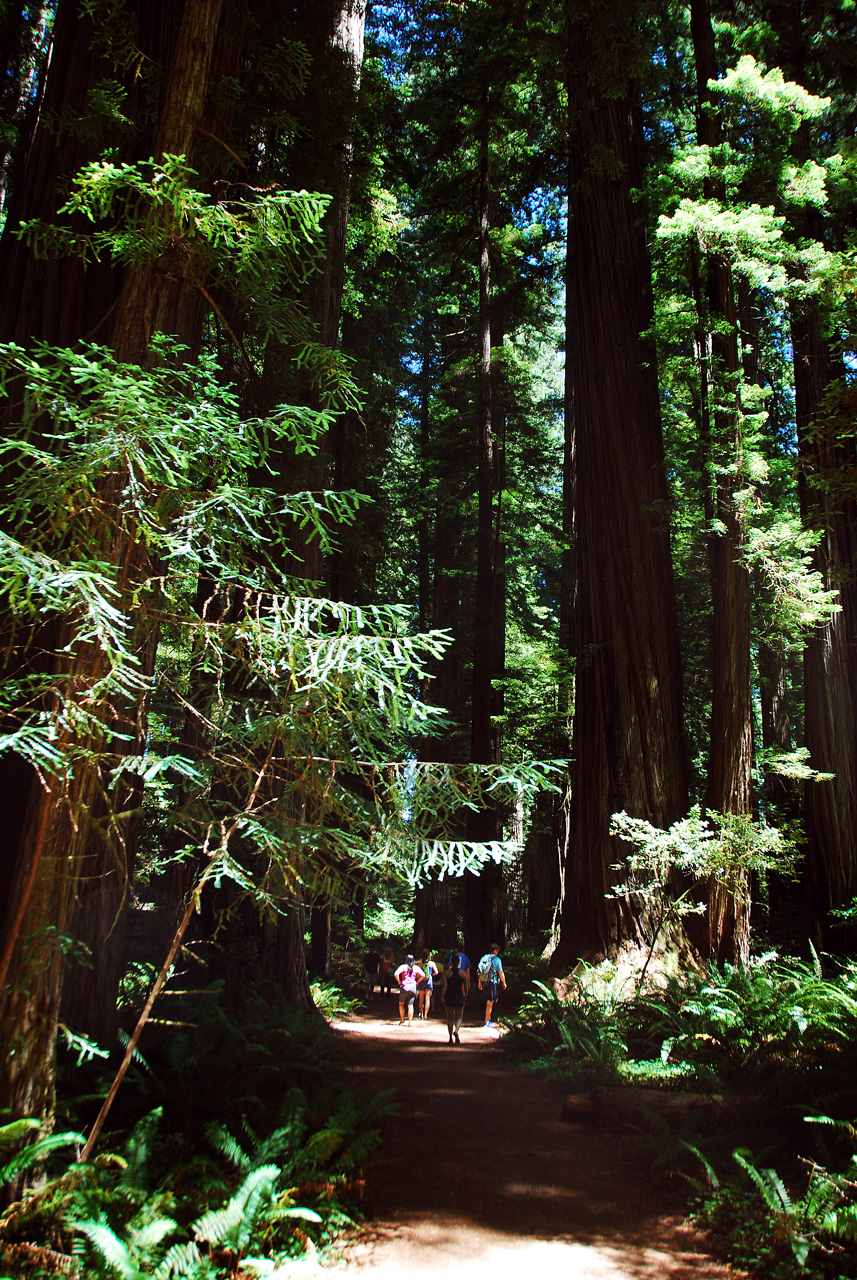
point(827, 454)
point(483, 908)
point(627, 746)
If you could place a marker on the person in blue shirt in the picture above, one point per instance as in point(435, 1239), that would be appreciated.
point(492, 980)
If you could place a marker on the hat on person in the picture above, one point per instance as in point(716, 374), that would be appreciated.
point(410, 957)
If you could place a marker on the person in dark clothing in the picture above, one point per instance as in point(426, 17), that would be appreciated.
point(454, 997)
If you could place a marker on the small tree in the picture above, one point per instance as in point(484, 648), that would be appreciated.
point(667, 869)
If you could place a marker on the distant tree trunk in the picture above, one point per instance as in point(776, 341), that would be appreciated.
point(628, 748)
point(544, 863)
point(321, 925)
point(323, 160)
point(24, 48)
point(483, 915)
point(440, 561)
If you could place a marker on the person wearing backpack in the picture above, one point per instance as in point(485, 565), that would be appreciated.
point(491, 978)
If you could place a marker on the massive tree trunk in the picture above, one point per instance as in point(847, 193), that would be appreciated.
point(628, 749)
point(723, 932)
point(827, 454)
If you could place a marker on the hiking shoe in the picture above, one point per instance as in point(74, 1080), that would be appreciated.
point(489, 1024)
point(457, 1041)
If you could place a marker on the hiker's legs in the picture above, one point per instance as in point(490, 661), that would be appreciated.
point(451, 1014)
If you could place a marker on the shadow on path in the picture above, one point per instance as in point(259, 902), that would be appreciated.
point(478, 1173)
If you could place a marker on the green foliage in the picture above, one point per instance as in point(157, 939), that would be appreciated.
point(760, 1224)
point(775, 1020)
point(581, 1034)
point(160, 1206)
point(330, 1000)
point(776, 1023)
point(720, 846)
point(309, 697)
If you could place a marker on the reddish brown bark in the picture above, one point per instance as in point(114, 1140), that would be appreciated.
point(628, 746)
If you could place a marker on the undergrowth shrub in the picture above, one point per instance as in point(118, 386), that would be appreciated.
point(775, 1022)
point(582, 1035)
point(777, 1233)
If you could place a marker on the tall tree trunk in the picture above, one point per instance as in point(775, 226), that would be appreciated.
point(723, 932)
point(824, 414)
point(483, 915)
point(628, 748)
point(322, 161)
point(827, 453)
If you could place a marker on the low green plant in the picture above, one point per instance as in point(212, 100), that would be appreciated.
point(775, 1018)
point(331, 1001)
point(581, 1034)
point(263, 1185)
point(667, 866)
point(775, 1233)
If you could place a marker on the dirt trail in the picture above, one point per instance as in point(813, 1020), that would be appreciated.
point(478, 1174)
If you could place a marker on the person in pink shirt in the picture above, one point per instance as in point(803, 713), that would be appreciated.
point(407, 976)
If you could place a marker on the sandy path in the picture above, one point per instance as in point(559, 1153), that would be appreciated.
point(477, 1174)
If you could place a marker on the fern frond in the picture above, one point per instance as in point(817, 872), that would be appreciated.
point(179, 1260)
point(114, 1252)
point(841, 1222)
point(224, 1142)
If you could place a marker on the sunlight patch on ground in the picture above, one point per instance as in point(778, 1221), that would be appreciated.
point(449, 1250)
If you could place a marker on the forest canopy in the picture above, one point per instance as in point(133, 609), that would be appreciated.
point(430, 483)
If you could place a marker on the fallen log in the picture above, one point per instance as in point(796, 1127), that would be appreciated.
point(646, 1109)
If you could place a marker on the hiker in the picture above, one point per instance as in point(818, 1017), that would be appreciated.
point(464, 966)
point(491, 979)
point(455, 993)
point(426, 985)
point(407, 976)
point(371, 964)
point(385, 972)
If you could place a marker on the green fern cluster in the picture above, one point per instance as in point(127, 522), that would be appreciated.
point(776, 1021)
point(772, 1020)
point(583, 1034)
point(774, 1233)
point(249, 1161)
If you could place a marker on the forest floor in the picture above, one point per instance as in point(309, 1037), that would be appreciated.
point(478, 1176)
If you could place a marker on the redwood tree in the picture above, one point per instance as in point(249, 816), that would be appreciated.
point(627, 739)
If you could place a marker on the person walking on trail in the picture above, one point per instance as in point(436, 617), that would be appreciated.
point(407, 976)
point(426, 984)
point(455, 993)
point(491, 979)
point(385, 972)
point(464, 966)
